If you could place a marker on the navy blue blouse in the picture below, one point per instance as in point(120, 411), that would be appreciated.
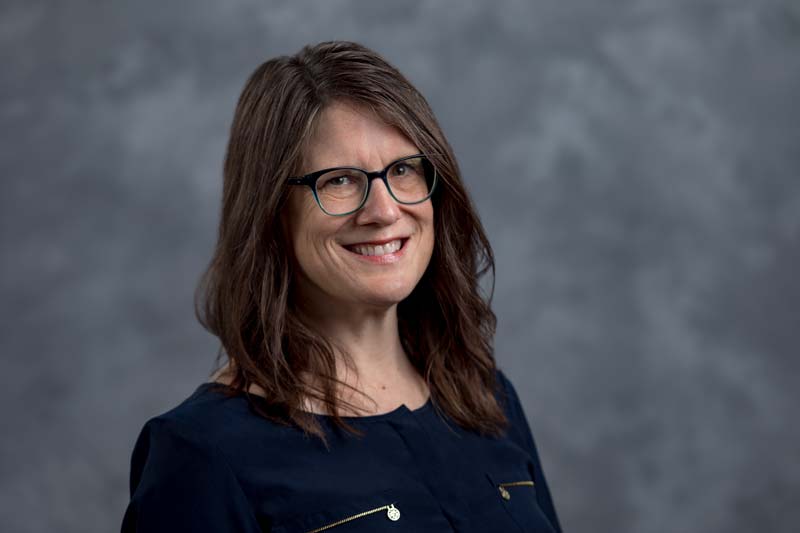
point(212, 465)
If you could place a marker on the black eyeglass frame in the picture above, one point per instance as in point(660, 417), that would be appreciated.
point(311, 181)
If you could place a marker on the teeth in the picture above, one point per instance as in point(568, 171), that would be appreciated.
point(388, 248)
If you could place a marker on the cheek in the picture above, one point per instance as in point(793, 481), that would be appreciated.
point(300, 227)
point(313, 239)
point(428, 222)
point(427, 241)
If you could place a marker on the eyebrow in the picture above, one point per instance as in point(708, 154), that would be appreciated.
point(397, 158)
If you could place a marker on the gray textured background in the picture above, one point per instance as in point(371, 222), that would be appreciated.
point(636, 164)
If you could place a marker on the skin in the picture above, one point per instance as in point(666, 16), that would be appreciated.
point(350, 301)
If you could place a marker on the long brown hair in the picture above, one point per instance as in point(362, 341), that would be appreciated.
point(245, 296)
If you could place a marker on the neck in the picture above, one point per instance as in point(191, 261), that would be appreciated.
point(380, 366)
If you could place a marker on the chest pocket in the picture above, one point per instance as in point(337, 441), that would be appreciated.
point(387, 511)
point(516, 490)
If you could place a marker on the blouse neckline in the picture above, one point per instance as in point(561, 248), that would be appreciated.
point(398, 412)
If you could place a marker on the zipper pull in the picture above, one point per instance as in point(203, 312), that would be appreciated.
point(393, 513)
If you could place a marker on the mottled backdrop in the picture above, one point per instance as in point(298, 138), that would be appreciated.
point(636, 164)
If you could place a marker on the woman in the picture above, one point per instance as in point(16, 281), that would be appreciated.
point(359, 391)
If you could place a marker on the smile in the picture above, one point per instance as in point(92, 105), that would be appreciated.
point(390, 252)
point(381, 249)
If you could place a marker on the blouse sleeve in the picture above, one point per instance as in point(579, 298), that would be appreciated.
point(179, 482)
point(520, 425)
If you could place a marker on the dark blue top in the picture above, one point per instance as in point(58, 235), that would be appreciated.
point(212, 465)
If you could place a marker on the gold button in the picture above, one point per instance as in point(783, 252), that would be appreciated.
point(504, 493)
point(393, 513)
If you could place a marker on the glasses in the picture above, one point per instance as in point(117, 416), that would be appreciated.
point(343, 190)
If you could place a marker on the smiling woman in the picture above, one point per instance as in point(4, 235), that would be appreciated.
point(344, 291)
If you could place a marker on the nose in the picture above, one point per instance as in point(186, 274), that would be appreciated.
point(380, 207)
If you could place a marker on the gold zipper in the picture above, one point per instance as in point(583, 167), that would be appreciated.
point(507, 495)
point(392, 512)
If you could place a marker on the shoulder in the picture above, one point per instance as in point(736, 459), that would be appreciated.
point(207, 425)
point(191, 421)
point(171, 441)
point(194, 430)
point(501, 378)
point(506, 393)
point(519, 429)
point(180, 478)
point(212, 415)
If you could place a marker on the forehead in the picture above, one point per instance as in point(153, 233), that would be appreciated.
point(347, 134)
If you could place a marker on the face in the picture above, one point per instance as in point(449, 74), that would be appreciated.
point(330, 274)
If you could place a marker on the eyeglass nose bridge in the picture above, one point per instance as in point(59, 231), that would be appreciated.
point(377, 174)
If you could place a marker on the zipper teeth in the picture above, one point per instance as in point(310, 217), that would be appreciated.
point(517, 484)
point(349, 518)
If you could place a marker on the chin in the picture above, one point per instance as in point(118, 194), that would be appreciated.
point(387, 297)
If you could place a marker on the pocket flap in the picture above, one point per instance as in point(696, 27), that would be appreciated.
point(516, 489)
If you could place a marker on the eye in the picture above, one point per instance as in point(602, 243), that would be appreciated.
point(405, 168)
point(336, 180)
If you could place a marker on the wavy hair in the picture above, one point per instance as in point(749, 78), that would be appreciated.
point(245, 297)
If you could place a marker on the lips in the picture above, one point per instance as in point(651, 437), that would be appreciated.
point(387, 254)
point(359, 248)
point(376, 242)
